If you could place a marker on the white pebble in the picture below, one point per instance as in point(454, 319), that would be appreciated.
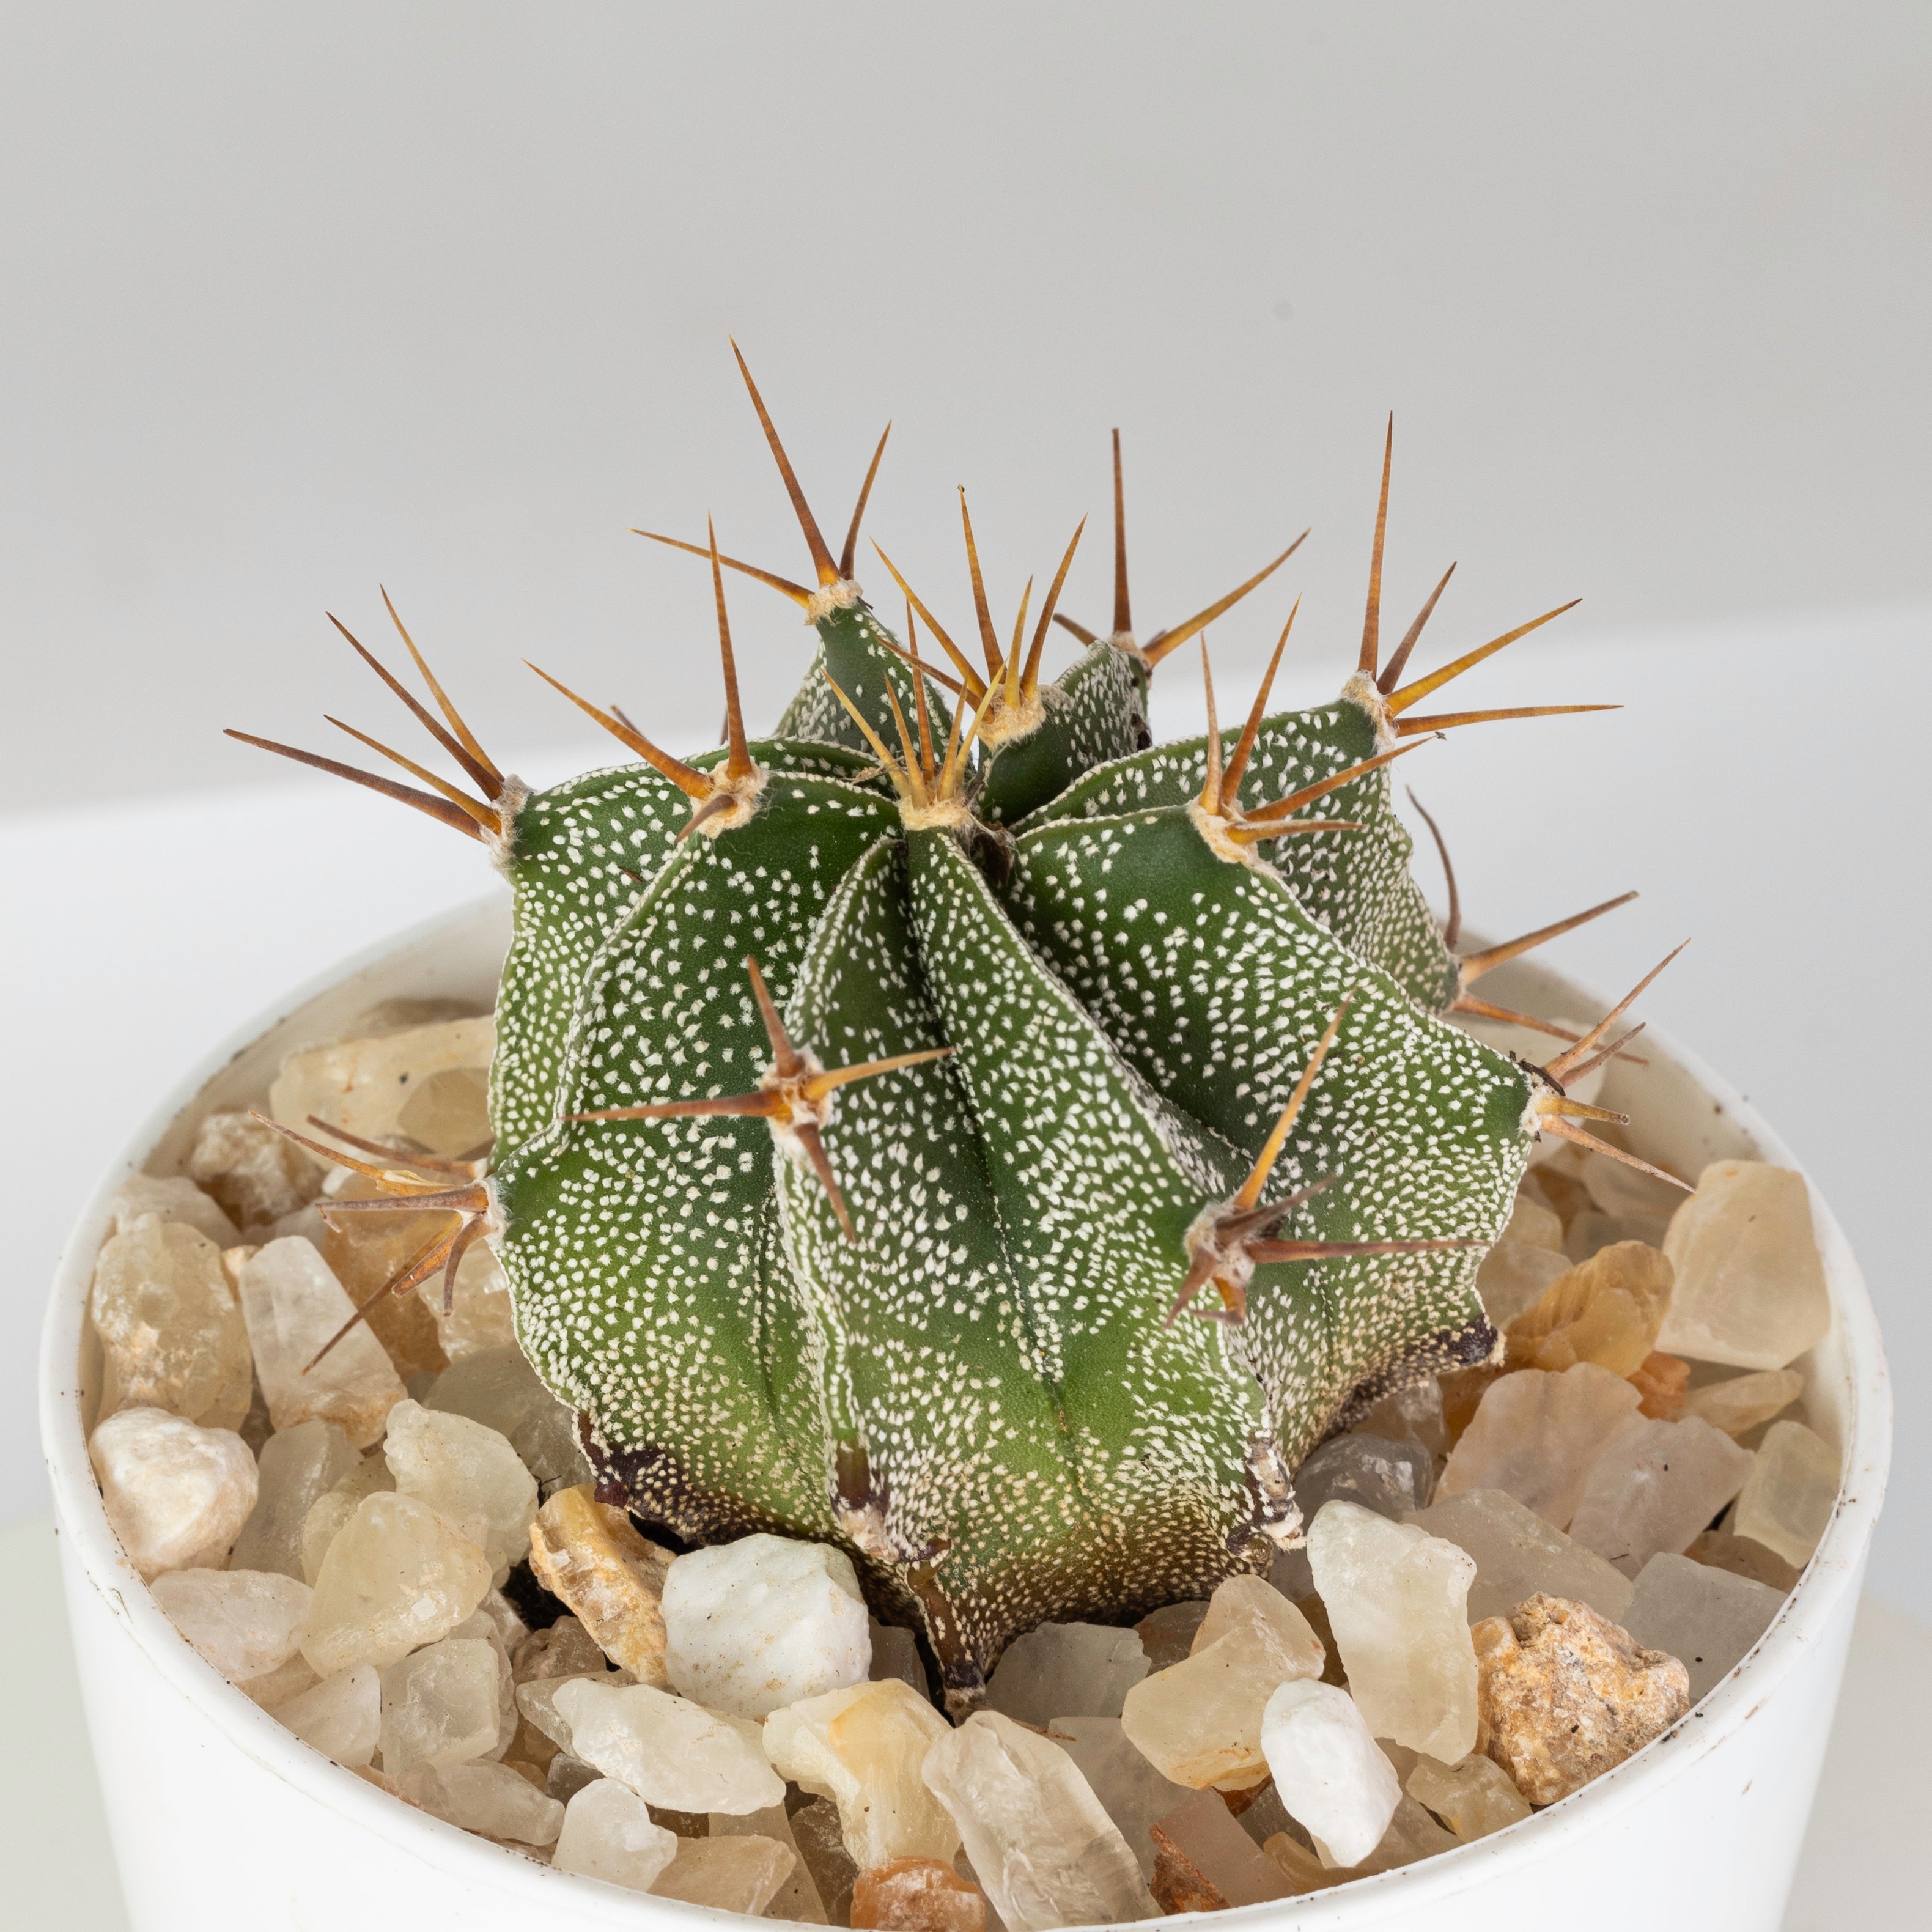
point(607, 1833)
point(670, 1751)
point(176, 1495)
point(469, 1474)
point(245, 1622)
point(1330, 1775)
point(440, 1706)
point(341, 1716)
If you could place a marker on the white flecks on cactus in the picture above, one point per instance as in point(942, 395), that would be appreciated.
point(753, 1625)
point(1706, 1618)
point(607, 1833)
point(341, 1716)
point(1787, 1502)
point(440, 1705)
point(467, 1472)
point(294, 1305)
point(176, 1495)
point(1397, 1600)
point(671, 1752)
point(245, 1622)
point(1329, 1771)
point(396, 1577)
point(865, 1747)
point(1655, 1485)
point(296, 1468)
point(1041, 1842)
point(1518, 1554)
point(1750, 1289)
point(1067, 1670)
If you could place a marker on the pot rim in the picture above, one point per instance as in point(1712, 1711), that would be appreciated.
point(81, 1520)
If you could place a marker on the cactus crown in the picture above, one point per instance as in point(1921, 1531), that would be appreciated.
point(995, 1142)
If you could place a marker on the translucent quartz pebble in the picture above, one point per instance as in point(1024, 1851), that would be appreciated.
point(1750, 1289)
point(752, 1625)
point(296, 1467)
point(917, 1895)
point(1741, 1557)
point(1567, 1696)
point(1205, 1862)
point(498, 1387)
point(607, 1833)
point(341, 1716)
point(896, 1654)
point(171, 1336)
point(395, 1578)
point(1199, 1722)
point(1536, 1434)
point(1391, 1477)
point(176, 1198)
point(1654, 1487)
point(1329, 1773)
point(332, 1509)
point(1607, 1309)
point(1518, 1555)
point(1412, 1834)
point(449, 1113)
point(1642, 1205)
point(367, 1085)
point(479, 1318)
point(256, 1174)
point(568, 1776)
point(468, 1474)
point(487, 1797)
point(365, 1252)
point(1533, 1223)
point(819, 1836)
point(1473, 1798)
point(1661, 1382)
point(797, 1897)
point(1073, 1670)
point(1397, 1601)
point(486, 1624)
point(1133, 1793)
point(1041, 1845)
point(1411, 1414)
point(670, 1751)
point(1705, 1619)
point(1515, 1275)
point(245, 1622)
point(177, 1494)
point(293, 1305)
point(729, 1874)
point(1167, 1635)
point(440, 1706)
point(587, 1553)
point(565, 1649)
point(864, 1748)
point(1744, 1401)
point(1787, 1502)
point(274, 1688)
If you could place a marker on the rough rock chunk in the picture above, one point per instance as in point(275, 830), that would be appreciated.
point(487, 1797)
point(395, 1578)
point(1607, 1309)
point(606, 1833)
point(728, 1874)
point(245, 1622)
point(255, 1174)
point(1706, 1618)
point(1058, 1670)
point(330, 1512)
point(1536, 1435)
point(797, 1897)
point(366, 1085)
point(176, 1198)
point(498, 1387)
point(1331, 1775)
point(917, 1895)
point(565, 1649)
point(171, 1336)
point(1205, 1862)
point(1397, 1601)
point(468, 1474)
point(1041, 1845)
point(1473, 1798)
point(864, 1747)
point(1654, 1487)
point(341, 1716)
point(440, 1706)
point(295, 1469)
point(365, 1252)
point(587, 1553)
point(1750, 1288)
point(672, 1753)
point(1744, 1401)
point(1132, 1792)
point(1787, 1501)
point(1567, 1696)
point(1518, 1554)
point(175, 1494)
point(480, 1318)
point(293, 1305)
point(1412, 1413)
point(765, 1622)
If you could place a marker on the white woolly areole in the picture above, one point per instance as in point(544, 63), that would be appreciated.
point(1214, 831)
point(511, 800)
point(839, 596)
point(1360, 690)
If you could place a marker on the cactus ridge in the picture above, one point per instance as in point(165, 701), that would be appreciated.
point(872, 1125)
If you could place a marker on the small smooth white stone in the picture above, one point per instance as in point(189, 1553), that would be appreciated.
point(606, 1833)
point(670, 1751)
point(174, 1198)
point(1397, 1599)
point(469, 1474)
point(297, 1466)
point(245, 1622)
point(1331, 1776)
point(341, 1716)
point(756, 1624)
point(1787, 1502)
point(176, 1495)
point(1067, 1670)
point(1654, 1487)
point(1519, 1554)
point(440, 1706)
point(486, 1798)
point(1706, 1618)
point(1042, 1846)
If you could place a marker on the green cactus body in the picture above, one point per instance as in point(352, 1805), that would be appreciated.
point(853, 655)
point(1096, 713)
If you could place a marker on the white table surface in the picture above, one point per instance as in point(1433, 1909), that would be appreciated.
point(1761, 787)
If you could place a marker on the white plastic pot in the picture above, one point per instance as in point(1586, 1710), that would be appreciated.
point(221, 1819)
